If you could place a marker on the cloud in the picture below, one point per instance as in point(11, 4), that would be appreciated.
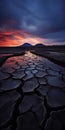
point(17, 37)
point(35, 17)
point(12, 38)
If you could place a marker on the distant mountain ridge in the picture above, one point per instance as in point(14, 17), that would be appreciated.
point(30, 45)
point(26, 45)
point(39, 45)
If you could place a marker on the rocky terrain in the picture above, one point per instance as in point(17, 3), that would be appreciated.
point(32, 94)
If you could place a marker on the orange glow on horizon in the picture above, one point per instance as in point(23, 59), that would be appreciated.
point(17, 37)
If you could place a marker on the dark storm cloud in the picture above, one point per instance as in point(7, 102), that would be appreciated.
point(46, 14)
point(37, 17)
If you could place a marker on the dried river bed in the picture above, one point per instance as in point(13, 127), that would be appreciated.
point(32, 94)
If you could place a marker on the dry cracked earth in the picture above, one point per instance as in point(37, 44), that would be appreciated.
point(32, 94)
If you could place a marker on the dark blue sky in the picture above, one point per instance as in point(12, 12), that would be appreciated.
point(42, 19)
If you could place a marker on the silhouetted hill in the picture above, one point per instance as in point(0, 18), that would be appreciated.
point(26, 45)
point(39, 45)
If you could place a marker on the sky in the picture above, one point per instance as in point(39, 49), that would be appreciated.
point(32, 21)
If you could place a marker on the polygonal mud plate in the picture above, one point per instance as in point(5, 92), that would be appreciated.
point(56, 98)
point(18, 74)
point(43, 90)
point(56, 82)
point(27, 122)
point(40, 74)
point(57, 119)
point(34, 103)
point(7, 104)
point(30, 85)
point(3, 75)
point(10, 84)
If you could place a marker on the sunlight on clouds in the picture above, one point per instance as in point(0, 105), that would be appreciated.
point(33, 40)
point(18, 37)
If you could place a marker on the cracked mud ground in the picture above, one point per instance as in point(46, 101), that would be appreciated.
point(32, 94)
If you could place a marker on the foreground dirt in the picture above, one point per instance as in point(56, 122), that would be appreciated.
point(32, 94)
point(57, 57)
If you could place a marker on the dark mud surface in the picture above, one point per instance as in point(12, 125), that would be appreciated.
point(32, 94)
point(57, 57)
